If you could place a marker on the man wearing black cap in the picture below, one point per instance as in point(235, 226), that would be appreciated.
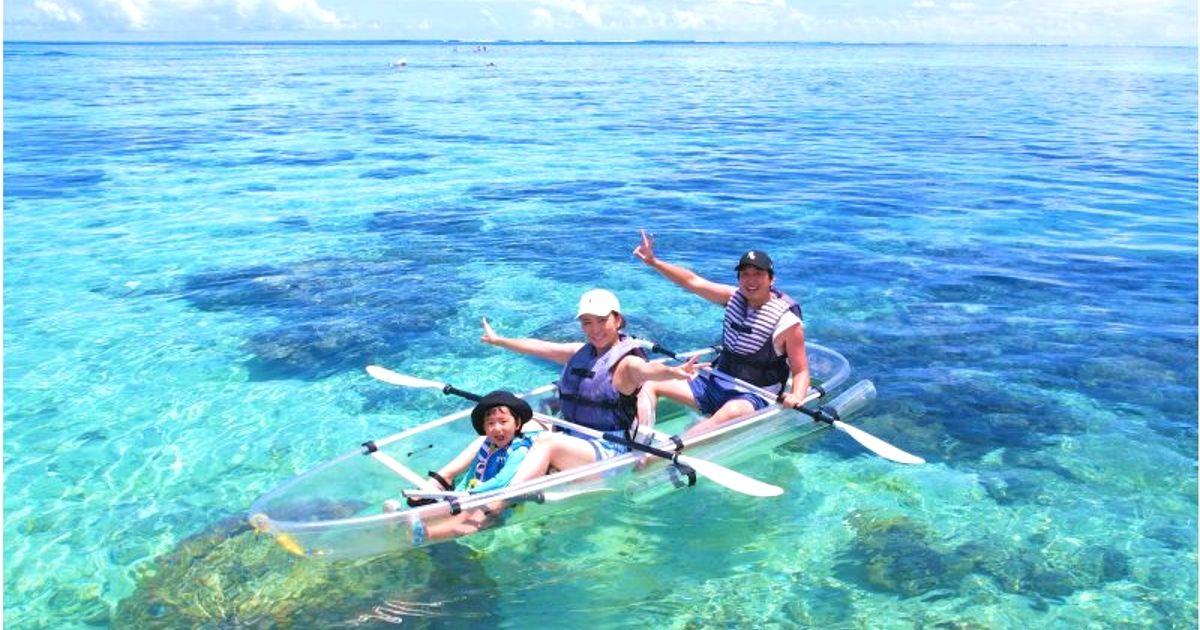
point(762, 340)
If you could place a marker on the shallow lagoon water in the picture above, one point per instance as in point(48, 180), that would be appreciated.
point(204, 244)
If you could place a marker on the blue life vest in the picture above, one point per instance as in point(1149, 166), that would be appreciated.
point(587, 392)
point(494, 467)
point(748, 345)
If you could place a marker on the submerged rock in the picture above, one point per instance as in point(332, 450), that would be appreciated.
point(899, 556)
point(333, 314)
point(313, 351)
point(1104, 563)
point(821, 606)
point(1011, 486)
point(1029, 570)
point(230, 576)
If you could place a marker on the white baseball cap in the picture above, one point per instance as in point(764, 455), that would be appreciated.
point(598, 302)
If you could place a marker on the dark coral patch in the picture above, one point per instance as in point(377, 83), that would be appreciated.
point(229, 576)
point(332, 314)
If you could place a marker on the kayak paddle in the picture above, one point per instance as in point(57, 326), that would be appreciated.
point(850, 400)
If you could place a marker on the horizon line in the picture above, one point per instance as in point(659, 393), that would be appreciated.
point(569, 42)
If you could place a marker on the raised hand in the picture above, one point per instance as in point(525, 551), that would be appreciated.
point(686, 371)
point(645, 251)
point(691, 368)
point(489, 335)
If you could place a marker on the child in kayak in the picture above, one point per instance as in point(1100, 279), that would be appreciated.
point(489, 462)
point(492, 459)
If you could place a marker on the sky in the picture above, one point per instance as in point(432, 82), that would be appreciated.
point(1073, 22)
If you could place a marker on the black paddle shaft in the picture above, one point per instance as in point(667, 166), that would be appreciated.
point(822, 414)
point(450, 389)
point(638, 446)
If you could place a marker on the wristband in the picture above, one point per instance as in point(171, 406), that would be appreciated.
point(446, 485)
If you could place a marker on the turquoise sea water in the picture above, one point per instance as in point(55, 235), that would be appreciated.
point(204, 245)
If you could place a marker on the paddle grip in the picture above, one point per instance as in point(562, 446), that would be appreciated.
point(823, 414)
point(450, 389)
point(661, 350)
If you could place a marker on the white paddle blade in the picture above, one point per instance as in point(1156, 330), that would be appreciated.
point(876, 445)
point(403, 380)
point(850, 401)
point(731, 479)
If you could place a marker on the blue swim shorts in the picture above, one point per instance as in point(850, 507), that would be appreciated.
point(710, 394)
point(604, 449)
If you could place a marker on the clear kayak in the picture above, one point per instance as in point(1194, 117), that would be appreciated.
point(340, 509)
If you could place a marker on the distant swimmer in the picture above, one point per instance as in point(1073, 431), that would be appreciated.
point(400, 63)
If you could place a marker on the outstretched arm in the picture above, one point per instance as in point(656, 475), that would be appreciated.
point(549, 350)
point(633, 371)
point(686, 278)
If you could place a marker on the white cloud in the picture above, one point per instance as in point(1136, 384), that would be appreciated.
point(951, 21)
point(133, 13)
point(57, 12)
point(542, 18)
point(745, 19)
point(283, 14)
point(309, 9)
point(1038, 21)
point(588, 13)
point(805, 21)
point(689, 20)
point(165, 18)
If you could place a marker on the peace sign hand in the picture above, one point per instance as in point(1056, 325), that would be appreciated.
point(645, 251)
point(489, 336)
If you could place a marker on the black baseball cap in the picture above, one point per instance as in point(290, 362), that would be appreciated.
point(756, 258)
point(500, 398)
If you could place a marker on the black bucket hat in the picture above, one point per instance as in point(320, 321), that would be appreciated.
point(500, 398)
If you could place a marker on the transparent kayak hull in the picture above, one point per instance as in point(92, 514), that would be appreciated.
point(336, 510)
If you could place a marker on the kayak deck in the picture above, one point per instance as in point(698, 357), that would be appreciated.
point(336, 510)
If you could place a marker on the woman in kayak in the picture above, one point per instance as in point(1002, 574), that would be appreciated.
point(599, 386)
